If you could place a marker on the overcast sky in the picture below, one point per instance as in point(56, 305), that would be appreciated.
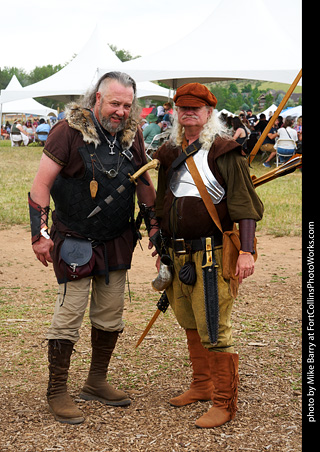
point(40, 32)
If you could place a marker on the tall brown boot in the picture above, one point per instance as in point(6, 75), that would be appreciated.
point(201, 386)
point(96, 386)
point(60, 402)
point(225, 377)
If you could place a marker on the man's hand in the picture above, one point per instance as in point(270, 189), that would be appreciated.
point(42, 248)
point(244, 267)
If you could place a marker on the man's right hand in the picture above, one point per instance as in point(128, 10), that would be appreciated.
point(42, 248)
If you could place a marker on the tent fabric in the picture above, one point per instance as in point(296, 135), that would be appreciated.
point(292, 111)
point(269, 111)
point(225, 112)
point(25, 106)
point(82, 73)
point(146, 111)
point(213, 52)
point(209, 53)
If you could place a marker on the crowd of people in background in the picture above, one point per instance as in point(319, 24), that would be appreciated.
point(159, 120)
point(246, 128)
point(26, 132)
point(284, 138)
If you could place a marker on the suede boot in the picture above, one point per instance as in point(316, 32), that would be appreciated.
point(225, 377)
point(59, 401)
point(201, 386)
point(96, 386)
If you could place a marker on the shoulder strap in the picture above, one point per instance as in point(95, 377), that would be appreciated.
point(191, 149)
point(203, 191)
point(288, 133)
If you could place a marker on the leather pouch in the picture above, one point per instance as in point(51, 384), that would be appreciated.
point(187, 274)
point(76, 258)
point(231, 248)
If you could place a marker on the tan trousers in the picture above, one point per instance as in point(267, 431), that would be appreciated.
point(106, 305)
point(188, 304)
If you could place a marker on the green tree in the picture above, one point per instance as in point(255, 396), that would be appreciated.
point(7, 73)
point(268, 100)
point(233, 88)
point(123, 55)
point(42, 72)
point(247, 88)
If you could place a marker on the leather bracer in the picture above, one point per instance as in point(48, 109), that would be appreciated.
point(38, 220)
point(247, 230)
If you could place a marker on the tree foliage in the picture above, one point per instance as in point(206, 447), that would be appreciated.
point(122, 54)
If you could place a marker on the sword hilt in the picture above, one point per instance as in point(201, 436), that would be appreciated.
point(163, 303)
point(209, 260)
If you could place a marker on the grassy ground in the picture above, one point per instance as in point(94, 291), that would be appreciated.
point(267, 335)
point(282, 197)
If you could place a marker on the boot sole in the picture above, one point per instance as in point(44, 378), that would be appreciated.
point(63, 420)
point(189, 403)
point(124, 402)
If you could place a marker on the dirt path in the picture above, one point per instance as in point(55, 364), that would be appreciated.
point(267, 330)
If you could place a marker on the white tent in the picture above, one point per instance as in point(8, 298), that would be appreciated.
point(81, 73)
point(269, 111)
point(295, 112)
point(239, 40)
point(225, 112)
point(25, 106)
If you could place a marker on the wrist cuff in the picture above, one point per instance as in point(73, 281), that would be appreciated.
point(38, 220)
point(247, 230)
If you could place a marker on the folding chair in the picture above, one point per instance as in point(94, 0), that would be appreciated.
point(156, 143)
point(278, 145)
point(43, 135)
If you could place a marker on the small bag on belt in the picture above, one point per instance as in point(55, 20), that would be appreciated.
point(76, 258)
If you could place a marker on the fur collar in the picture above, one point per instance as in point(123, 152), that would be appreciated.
point(80, 119)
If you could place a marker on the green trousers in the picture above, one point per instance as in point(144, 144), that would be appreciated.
point(188, 302)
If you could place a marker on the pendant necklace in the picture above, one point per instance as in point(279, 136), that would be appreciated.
point(112, 173)
point(93, 183)
point(111, 144)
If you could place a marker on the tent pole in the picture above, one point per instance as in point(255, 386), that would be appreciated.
point(274, 117)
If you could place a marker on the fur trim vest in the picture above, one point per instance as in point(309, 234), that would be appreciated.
point(80, 119)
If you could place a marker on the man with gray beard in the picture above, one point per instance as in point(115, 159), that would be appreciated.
point(86, 158)
point(199, 294)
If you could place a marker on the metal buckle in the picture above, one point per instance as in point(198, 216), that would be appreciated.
point(179, 246)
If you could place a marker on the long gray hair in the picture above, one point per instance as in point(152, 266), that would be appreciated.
point(213, 127)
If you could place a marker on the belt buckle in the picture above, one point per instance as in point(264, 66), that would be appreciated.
point(179, 246)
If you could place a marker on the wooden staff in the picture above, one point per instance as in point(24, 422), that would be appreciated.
point(274, 117)
point(286, 168)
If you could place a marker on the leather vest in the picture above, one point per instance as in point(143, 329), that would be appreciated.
point(73, 201)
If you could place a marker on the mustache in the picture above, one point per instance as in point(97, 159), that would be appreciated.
point(186, 116)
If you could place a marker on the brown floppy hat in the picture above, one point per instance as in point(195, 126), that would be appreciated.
point(194, 95)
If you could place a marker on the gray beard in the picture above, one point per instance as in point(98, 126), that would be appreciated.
point(107, 125)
